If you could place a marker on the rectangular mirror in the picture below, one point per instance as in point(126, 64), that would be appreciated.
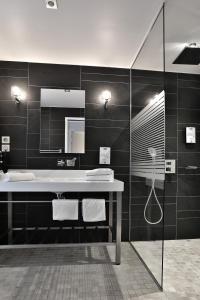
point(62, 124)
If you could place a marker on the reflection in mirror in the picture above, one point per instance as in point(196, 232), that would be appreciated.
point(58, 108)
point(74, 135)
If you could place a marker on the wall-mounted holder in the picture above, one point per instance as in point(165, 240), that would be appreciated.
point(18, 94)
point(104, 155)
point(190, 135)
point(106, 97)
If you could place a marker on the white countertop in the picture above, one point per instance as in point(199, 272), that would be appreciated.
point(60, 181)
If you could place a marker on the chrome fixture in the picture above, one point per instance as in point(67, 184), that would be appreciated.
point(52, 4)
point(18, 94)
point(106, 97)
point(60, 163)
point(51, 151)
point(66, 162)
point(71, 162)
point(153, 153)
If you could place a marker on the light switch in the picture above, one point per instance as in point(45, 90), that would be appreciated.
point(104, 156)
point(5, 140)
point(5, 148)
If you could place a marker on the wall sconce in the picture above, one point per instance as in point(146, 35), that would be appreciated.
point(18, 94)
point(106, 97)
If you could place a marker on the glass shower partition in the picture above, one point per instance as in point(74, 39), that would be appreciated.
point(147, 134)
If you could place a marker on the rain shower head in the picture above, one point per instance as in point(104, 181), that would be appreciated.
point(152, 152)
point(189, 56)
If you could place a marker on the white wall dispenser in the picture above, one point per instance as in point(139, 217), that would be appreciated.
point(190, 135)
point(104, 156)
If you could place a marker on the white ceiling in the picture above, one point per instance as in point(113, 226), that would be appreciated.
point(182, 27)
point(81, 32)
point(98, 32)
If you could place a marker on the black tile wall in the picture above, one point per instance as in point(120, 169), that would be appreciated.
point(103, 128)
point(182, 192)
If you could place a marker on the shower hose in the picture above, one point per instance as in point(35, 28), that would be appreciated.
point(149, 197)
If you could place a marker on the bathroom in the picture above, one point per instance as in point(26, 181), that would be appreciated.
point(133, 89)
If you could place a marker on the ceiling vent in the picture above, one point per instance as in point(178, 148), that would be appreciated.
point(52, 4)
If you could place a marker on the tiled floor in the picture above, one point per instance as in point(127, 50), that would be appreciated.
point(73, 273)
point(181, 267)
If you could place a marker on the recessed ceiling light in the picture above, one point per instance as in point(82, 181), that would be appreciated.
point(52, 4)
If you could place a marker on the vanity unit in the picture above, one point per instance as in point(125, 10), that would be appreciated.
point(60, 181)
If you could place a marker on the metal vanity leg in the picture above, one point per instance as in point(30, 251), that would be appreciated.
point(110, 217)
point(10, 233)
point(118, 229)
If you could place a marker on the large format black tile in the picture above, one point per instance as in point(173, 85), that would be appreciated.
point(22, 73)
point(188, 159)
point(171, 101)
point(117, 138)
point(16, 157)
point(17, 135)
point(6, 84)
point(188, 228)
point(34, 121)
point(118, 158)
point(104, 77)
point(189, 98)
point(147, 233)
point(11, 109)
point(33, 141)
point(188, 203)
point(105, 71)
point(195, 84)
point(13, 64)
point(188, 185)
point(170, 126)
point(113, 112)
point(153, 214)
point(52, 75)
point(188, 116)
point(119, 92)
point(12, 120)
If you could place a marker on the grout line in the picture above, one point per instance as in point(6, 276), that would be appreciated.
point(105, 81)
point(106, 74)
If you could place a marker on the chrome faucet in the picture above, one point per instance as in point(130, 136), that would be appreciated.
point(66, 162)
point(60, 163)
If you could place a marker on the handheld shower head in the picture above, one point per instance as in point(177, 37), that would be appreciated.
point(152, 152)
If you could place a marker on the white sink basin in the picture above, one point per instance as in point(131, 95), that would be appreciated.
point(60, 181)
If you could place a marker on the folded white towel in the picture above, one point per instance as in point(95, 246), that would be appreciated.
point(100, 178)
point(17, 176)
point(65, 209)
point(93, 210)
point(100, 171)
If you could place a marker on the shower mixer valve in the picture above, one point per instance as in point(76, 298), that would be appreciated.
point(170, 166)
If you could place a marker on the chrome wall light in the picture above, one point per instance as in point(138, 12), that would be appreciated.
point(18, 94)
point(106, 97)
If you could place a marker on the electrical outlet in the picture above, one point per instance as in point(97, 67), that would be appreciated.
point(5, 140)
point(5, 148)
